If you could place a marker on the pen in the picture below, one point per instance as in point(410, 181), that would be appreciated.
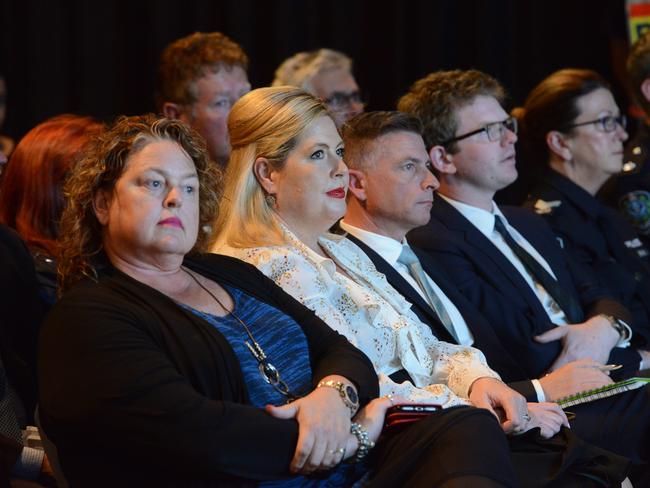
point(610, 367)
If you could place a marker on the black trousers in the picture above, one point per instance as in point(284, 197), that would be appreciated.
point(620, 424)
point(463, 441)
point(448, 444)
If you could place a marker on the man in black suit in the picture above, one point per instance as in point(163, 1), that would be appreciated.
point(506, 260)
point(391, 192)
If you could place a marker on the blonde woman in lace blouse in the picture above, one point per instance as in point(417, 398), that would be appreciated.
point(285, 186)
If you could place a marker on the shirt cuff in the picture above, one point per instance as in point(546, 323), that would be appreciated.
point(541, 396)
point(28, 465)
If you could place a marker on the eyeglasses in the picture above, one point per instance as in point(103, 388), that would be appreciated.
point(495, 131)
point(339, 100)
point(609, 123)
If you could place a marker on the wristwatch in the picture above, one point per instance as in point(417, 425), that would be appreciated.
point(624, 330)
point(347, 392)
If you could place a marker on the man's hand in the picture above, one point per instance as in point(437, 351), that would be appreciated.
point(593, 339)
point(324, 428)
point(490, 393)
point(573, 378)
point(549, 417)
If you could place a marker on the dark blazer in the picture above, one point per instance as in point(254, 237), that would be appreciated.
point(484, 337)
point(490, 282)
point(134, 388)
point(22, 315)
point(617, 423)
point(602, 240)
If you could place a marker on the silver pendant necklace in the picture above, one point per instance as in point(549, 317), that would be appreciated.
point(266, 369)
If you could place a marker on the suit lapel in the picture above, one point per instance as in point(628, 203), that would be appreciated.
point(419, 305)
point(481, 245)
point(484, 335)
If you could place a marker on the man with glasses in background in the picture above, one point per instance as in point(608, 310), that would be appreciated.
point(326, 74)
point(199, 79)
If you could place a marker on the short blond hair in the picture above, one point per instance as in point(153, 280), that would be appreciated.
point(301, 68)
point(267, 123)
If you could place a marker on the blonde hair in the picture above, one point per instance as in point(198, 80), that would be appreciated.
point(266, 123)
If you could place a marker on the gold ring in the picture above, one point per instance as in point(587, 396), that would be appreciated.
point(390, 399)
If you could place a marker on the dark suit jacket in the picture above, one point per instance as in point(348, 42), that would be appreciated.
point(484, 337)
point(490, 282)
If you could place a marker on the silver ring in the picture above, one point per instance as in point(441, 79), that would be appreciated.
point(527, 417)
point(340, 450)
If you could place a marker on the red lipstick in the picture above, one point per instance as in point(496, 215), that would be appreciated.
point(337, 193)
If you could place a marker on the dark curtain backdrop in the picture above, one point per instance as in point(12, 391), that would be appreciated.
point(99, 57)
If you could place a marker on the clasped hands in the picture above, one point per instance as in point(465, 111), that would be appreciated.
point(512, 411)
point(324, 438)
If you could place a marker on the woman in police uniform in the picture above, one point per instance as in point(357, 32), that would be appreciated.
point(573, 127)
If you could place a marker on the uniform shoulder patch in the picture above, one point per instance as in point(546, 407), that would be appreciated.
point(636, 207)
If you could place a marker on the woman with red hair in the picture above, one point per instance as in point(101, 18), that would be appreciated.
point(31, 198)
point(31, 202)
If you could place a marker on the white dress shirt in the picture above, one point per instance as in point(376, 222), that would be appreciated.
point(484, 222)
point(390, 249)
point(362, 306)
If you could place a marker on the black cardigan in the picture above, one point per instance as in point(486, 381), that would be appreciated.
point(134, 387)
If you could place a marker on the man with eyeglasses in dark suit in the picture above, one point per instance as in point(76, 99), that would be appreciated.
point(507, 261)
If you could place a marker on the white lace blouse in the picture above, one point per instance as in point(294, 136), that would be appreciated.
point(372, 315)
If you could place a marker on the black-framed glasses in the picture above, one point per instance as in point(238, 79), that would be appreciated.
point(609, 123)
point(495, 131)
point(339, 100)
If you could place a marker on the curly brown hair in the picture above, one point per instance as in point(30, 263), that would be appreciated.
point(437, 97)
point(187, 59)
point(102, 166)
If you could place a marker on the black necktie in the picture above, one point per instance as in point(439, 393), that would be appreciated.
point(564, 299)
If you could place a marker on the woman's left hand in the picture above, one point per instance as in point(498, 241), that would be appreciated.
point(492, 394)
point(372, 416)
point(549, 417)
point(324, 428)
